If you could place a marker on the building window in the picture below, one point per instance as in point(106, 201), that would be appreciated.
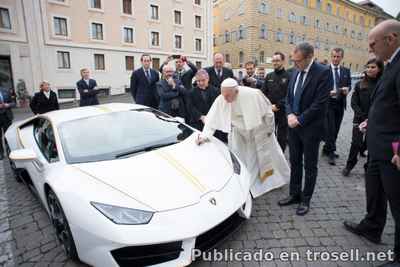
point(262, 57)
point(362, 21)
point(279, 13)
point(128, 35)
point(291, 38)
point(317, 43)
point(199, 65)
point(319, 4)
point(306, 4)
point(263, 8)
point(263, 32)
point(178, 41)
point(154, 12)
point(227, 37)
point(353, 34)
point(303, 20)
point(99, 62)
point(95, 4)
point(337, 29)
point(129, 63)
point(338, 11)
point(242, 32)
point(5, 21)
point(155, 38)
point(63, 59)
point(329, 8)
point(198, 45)
point(228, 58)
point(241, 57)
point(60, 26)
point(197, 21)
point(279, 36)
point(317, 23)
point(292, 17)
point(156, 63)
point(345, 31)
point(197, 2)
point(127, 7)
point(327, 27)
point(214, 40)
point(97, 31)
point(327, 45)
point(241, 7)
point(177, 17)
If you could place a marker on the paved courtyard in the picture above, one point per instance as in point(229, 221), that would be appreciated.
point(27, 238)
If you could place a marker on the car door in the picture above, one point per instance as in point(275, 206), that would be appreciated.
point(46, 151)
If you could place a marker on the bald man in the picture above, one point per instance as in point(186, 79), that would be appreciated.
point(383, 129)
point(218, 72)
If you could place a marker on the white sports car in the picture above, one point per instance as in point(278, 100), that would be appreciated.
point(126, 185)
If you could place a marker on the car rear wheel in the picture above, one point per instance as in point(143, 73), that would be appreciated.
point(12, 164)
point(61, 226)
point(246, 208)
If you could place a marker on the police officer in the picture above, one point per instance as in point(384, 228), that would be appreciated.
point(275, 88)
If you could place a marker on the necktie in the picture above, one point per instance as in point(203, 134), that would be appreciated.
point(219, 74)
point(297, 93)
point(337, 79)
point(148, 75)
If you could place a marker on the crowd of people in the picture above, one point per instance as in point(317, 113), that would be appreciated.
point(260, 115)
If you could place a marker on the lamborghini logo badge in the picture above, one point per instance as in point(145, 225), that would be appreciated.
point(213, 201)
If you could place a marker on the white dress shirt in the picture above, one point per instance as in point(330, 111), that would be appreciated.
point(304, 77)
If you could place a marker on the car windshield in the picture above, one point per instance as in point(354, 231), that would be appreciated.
point(119, 134)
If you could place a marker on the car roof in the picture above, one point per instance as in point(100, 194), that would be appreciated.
point(59, 116)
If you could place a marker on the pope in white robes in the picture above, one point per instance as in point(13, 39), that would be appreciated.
point(246, 115)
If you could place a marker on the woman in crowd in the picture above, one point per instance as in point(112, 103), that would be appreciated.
point(360, 103)
point(45, 100)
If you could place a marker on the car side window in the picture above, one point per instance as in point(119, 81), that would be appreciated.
point(44, 136)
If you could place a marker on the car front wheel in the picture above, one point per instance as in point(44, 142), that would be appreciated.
point(61, 226)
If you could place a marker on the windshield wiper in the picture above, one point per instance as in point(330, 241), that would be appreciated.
point(145, 149)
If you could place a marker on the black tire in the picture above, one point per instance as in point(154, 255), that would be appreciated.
point(12, 164)
point(61, 226)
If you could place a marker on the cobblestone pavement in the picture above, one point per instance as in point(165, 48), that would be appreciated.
point(27, 238)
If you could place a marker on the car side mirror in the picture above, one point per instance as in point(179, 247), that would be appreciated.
point(22, 155)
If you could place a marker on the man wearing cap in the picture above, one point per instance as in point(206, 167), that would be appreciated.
point(246, 115)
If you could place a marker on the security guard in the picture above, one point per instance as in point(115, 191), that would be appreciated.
point(275, 88)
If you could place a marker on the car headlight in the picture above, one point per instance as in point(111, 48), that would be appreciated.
point(119, 215)
point(235, 163)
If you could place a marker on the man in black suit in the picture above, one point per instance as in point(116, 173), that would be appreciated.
point(275, 89)
point(45, 100)
point(143, 84)
point(305, 107)
point(383, 128)
point(200, 99)
point(218, 73)
point(251, 79)
point(185, 76)
point(87, 88)
point(6, 115)
point(341, 85)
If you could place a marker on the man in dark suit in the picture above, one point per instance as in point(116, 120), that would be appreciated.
point(218, 72)
point(305, 107)
point(337, 103)
point(383, 128)
point(87, 88)
point(6, 115)
point(275, 89)
point(45, 100)
point(200, 99)
point(251, 79)
point(143, 84)
point(181, 73)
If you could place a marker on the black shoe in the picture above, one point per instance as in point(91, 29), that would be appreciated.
point(1, 156)
point(289, 201)
point(353, 228)
point(362, 154)
point(336, 155)
point(345, 172)
point(331, 160)
point(325, 153)
point(303, 209)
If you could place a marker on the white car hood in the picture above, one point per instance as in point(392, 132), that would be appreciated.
point(168, 178)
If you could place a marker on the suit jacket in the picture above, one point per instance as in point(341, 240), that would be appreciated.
point(187, 77)
point(344, 81)
point(144, 92)
point(215, 80)
point(7, 113)
point(384, 114)
point(313, 100)
point(89, 97)
point(198, 106)
point(168, 95)
point(41, 104)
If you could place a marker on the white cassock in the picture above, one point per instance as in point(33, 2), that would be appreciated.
point(249, 121)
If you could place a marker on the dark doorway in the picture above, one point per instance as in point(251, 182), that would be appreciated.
point(6, 79)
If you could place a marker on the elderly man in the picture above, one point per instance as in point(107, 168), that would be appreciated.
point(383, 132)
point(246, 114)
point(218, 72)
point(200, 99)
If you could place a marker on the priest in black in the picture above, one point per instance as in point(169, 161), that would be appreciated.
point(45, 100)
